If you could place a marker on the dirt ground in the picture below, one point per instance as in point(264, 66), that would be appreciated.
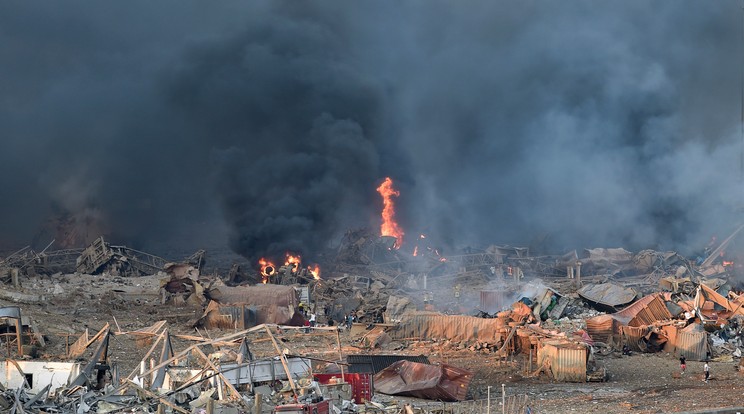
point(640, 383)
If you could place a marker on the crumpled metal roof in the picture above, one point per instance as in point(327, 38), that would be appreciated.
point(435, 382)
point(644, 311)
point(608, 294)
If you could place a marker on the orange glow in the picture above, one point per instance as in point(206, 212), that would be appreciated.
point(389, 226)
point(294, 261)
point(415, 251)
point(315, 271)
point(725, 263)
point(267, 269)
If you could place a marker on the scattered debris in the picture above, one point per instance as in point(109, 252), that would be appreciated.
point(540, 318)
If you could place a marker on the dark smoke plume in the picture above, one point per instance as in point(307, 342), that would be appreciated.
point(271, 123)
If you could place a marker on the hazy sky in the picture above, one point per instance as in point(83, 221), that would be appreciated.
point(597, 124)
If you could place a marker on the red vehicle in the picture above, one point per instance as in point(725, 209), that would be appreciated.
point(321, 407)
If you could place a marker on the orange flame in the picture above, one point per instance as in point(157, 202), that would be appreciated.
point(415, 251)
point(267, 269)
point(294, 261)
point(389, 226)
point(315, 271)
point(726, 263)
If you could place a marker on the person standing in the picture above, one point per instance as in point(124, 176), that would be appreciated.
point(706, 370)
point(682, 364)
point(312, 319)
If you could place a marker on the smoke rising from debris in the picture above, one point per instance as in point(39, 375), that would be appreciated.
point(499, 122)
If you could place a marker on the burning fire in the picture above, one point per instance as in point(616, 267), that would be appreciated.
point(267, 269)
point(727, 263)
point(431, 250)
point(315, 271)
point(415, 248)
point(294, 261)
point(389, 226)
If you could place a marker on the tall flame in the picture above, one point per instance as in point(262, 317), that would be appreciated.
point(389, 226)
point(315, 271)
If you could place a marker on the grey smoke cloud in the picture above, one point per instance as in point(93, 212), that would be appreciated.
point(600, 124)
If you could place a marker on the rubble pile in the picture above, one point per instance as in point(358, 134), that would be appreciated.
point(289, 335)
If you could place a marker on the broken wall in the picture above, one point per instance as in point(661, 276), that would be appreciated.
point(38, 373)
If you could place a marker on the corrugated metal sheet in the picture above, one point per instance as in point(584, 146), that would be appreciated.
point(376, 363)
point(655, 310)
point(455, 328)
point(693, 345)
point(492, 301)
point(601, 328)
point(567, 360)
point(633, 337)
point(644, 311)
point(645, 338)
point(435, 382)
point(671, 333)
point(244, 316)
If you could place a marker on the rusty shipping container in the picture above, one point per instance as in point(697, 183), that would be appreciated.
point(692, 342)
point(242, 307)
point(455, 328)
point(644, 311)
point(567, 360)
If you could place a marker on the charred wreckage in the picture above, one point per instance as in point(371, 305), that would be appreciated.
point(549, 317)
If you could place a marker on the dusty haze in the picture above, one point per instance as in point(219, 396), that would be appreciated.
point(270, 124)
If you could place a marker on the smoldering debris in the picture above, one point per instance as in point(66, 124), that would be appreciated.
point(540, 317)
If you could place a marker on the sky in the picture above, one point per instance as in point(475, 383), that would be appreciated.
point(269, 125)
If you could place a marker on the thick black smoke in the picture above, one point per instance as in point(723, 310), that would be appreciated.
point(272, 123)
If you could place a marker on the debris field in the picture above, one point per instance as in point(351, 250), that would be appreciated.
point(111, 329)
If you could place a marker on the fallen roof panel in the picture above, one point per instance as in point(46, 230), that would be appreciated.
point(434, 382)
point(607, 294)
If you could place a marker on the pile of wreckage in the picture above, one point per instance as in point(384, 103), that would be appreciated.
point(216, 375)
point(99, 258)
point(552, 317)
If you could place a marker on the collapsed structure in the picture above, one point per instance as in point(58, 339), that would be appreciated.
point(546, 317)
